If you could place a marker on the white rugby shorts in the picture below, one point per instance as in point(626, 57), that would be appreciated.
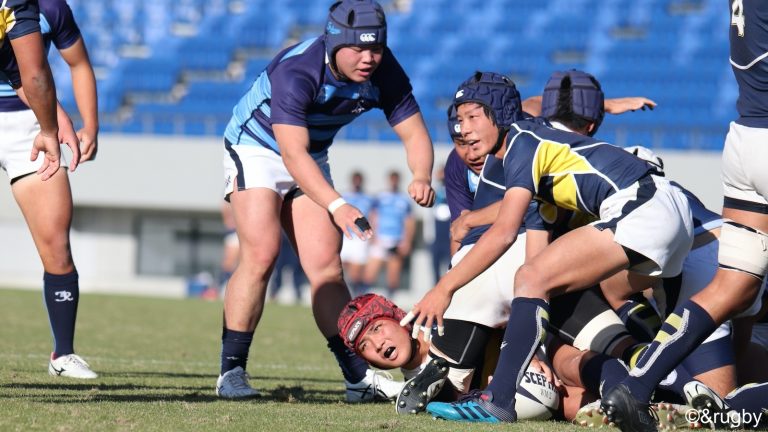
point(19, 129)
point(253, 166)
point(354, 250)
point(745, 176)
point(487, 298)
point(653, 218)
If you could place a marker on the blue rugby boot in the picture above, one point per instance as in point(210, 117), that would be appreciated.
point(476, 407)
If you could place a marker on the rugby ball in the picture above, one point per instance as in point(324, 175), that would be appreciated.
point(537, 398)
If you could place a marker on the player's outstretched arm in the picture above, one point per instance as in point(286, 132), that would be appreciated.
point(294, 147)
point(418, 147)
point(84, 86)
point(622, 105)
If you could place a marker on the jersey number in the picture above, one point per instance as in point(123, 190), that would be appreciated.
point(737, 16)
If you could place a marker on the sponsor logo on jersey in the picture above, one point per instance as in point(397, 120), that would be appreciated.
point(368, 37)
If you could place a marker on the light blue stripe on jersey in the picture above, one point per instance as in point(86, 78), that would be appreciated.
point(298, 49)
point(5, 89)
point(472, 181)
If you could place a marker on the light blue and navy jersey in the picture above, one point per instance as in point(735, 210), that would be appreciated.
point(565, 169)
point(460, 185)
point(360, 200)
point(392, 209)
point(297, 88)
point(749, 49)
point(491, 189)
point(57, 25)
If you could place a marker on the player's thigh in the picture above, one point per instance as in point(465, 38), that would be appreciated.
point(316, 238)
point(745, 179)
point(257, 222)
point(574, 261)
point(47, 208)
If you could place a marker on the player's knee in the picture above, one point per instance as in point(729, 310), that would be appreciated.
point(528, 282)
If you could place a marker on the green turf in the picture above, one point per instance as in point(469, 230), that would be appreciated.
point(158, 363)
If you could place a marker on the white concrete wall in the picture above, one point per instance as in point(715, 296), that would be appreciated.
point(185, 173)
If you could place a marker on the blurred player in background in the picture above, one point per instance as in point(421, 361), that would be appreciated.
point(354, 250)
point(394, 227)
point(277, 173)
point(47, 204)
point(440, 238)
point(743, 252)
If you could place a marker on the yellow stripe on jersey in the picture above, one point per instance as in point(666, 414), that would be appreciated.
point(7, 21)
point(558, 161)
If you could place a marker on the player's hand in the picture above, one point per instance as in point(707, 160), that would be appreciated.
point(352, 222)
point(67, 136)
point(622, 105)
point(49, 145)
point(543, 368)
point(421, 192)
point(89, 144)
point(459, 227)
point(429, 310)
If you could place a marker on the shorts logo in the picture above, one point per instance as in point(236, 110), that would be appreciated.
point(354, 330)
point(368, 37)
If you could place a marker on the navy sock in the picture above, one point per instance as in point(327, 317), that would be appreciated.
point(640, 318)
point(751, 398)
point(676, 380)
point(526, 329)
point(234, 349)
point(681, 333)
point(601, 373)
point(62, 294)
point(353, 367)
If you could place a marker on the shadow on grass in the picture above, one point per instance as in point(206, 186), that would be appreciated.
point(97, 393)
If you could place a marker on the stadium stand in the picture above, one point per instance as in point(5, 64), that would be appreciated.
point(178, 66)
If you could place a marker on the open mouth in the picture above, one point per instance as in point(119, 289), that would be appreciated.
point(389, 351)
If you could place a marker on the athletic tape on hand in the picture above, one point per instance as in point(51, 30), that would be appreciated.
point(362, 223)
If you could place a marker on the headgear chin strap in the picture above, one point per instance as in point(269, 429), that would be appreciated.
point(498, 93)
point(587, 98)
point(354, 23)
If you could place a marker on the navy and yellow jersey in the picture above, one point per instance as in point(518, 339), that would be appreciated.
point(568, 170)
point(749, 49)
point(491, 189)
point(460, 185)
point(17, 18)
point(297, 88)
point(58, 27)
point(560, 221)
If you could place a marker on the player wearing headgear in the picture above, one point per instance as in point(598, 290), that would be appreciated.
point(24, 65)
point(277, 172)
point(573, 172)
point(47, 204)
point(742, 256)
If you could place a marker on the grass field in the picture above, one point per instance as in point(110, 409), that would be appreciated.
point(158, 363)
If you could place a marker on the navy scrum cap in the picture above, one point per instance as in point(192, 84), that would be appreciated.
point(495, 91)
point(354, 23)
point(587, 98)
point(454, 128)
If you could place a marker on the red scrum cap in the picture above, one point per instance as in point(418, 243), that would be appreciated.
point(360, 312)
